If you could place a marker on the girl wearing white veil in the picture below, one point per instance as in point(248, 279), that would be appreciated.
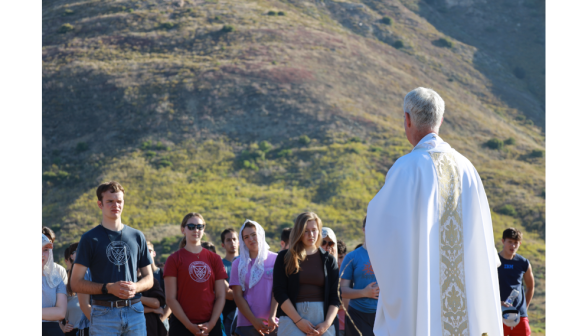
point(252, 283)
point(54, 293)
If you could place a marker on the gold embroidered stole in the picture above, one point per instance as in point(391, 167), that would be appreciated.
point(454, 315)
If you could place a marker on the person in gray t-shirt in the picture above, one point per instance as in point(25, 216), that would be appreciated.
point(54, 301)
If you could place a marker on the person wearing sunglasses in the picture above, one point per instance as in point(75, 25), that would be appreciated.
point(194, 284)
point(252, 283)
point(54, 298)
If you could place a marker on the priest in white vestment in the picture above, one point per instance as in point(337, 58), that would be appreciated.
point(429, 237)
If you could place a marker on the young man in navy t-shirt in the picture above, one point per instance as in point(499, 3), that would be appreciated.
point(113, 252)
point(357, 268)
point(511, 273)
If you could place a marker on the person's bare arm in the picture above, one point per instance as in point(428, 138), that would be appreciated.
point(246, 310)
point(146, 283)
point(157, 311)
point(530, 284)
point(229, 292)
point(166, 313)
point(150, 302)
point(121, 289)
point(371, 291)
point(84, 300)
point(56, 313)
point(331, 314)
point(171, 299)
point(271, 323)
point(304, 325)
point(217, 309)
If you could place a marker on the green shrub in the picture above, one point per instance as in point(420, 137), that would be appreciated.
point(271, 13)
point(164, 162)
point(82, 147)
point(398, 44)
point(510, 141)
point(265, 146)
point(520, 117)
point(227, 29)
point(250, 165)
point(65, 28)
point(167, 25)
point(68, 12)
point(354, 139)
point(285, 152)
point(304, 139)
point(150, 154)
point(387, 20)
point(160, 146)
point(55, 176)
point(495, 143)
point(519, 72)
point(375, 149)
point(280, 13)
point(446, 43)
point(146, 145)
point(537, 153)
point(508, 210)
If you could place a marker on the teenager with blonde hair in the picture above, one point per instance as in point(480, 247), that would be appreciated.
point(305, 282)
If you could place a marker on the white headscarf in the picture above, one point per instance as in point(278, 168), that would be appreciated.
point(245, 259)
point(49, 270)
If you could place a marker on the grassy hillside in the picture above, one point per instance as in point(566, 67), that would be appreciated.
point(263, 109)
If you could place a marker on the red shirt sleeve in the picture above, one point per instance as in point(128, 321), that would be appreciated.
point(171, 266)
point(219, 268)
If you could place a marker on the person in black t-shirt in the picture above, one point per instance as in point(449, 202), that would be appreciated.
point(113, 252)
point(511, 273)
point(158, 275)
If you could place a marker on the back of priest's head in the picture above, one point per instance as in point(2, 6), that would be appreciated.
point(425, 107)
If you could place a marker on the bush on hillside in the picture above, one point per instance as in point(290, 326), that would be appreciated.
point(354, 139)
point(167, 25)
point(495, 143)
point(387, 20)
point(65, 28)
point(375, 149)
point(398, 44)
point(150, 154)
point(510, 141)
point(227, 29)
point(280, 13)
point(271, 13)
point(508, 210)
point(445, 43)
point(537, 153)
point(82, 147)
point(164, 162)
point(304, 139)
point(265, 146)
point(285, 152)
point(68, 12)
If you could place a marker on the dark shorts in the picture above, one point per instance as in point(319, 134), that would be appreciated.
point(51, 329)
point(177, 328)
point(363, 321)
point(522, 329)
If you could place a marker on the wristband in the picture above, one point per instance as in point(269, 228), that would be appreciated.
point(299, 320)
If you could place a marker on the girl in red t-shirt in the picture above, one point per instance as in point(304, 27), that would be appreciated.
point(194, 284)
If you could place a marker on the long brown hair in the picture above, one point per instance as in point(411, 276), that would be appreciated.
point(185, 221)
point(297, 253)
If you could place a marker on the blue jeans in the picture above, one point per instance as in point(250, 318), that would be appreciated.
point(127, 321)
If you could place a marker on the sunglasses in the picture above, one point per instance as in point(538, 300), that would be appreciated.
point(191, 227)
point(331, 243)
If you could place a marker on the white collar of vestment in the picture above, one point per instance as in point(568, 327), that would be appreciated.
point(432, 141)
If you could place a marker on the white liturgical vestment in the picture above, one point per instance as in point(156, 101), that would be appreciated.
point(430, 241)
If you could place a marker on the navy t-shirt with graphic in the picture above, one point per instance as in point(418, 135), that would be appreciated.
point(356, 266)
point(510, 276)
point(113, 256)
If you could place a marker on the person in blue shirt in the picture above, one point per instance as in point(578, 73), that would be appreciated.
point(513, 270)
point(357, 269)
point(113, 252)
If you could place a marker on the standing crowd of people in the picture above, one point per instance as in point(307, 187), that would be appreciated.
point(313, 286)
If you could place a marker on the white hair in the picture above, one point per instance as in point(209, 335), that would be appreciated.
point(425, 107)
